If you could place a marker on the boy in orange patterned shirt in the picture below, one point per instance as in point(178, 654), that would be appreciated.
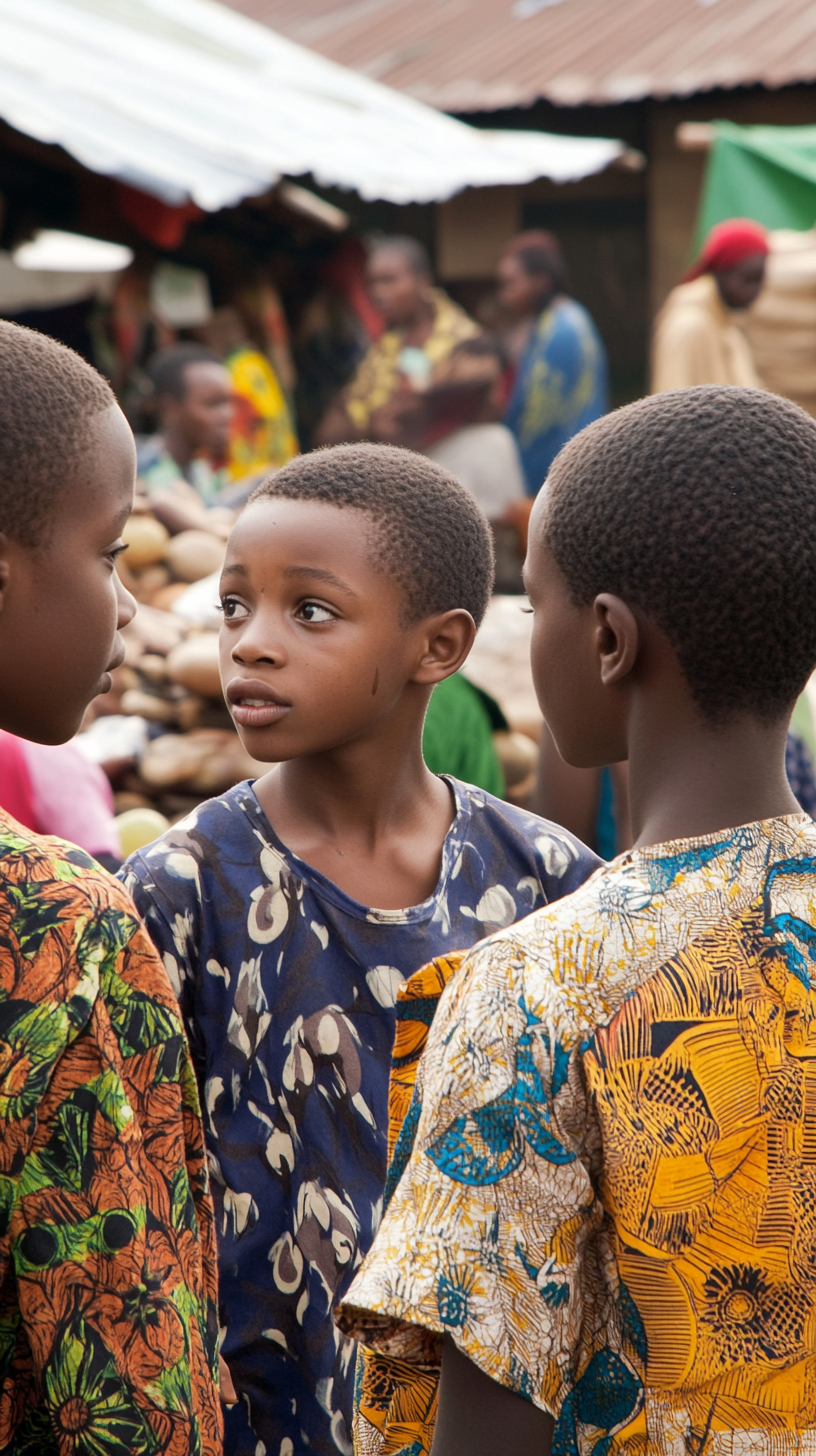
point(108, 1328)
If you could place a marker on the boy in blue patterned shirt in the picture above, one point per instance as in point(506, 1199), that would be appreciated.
point(354, 581)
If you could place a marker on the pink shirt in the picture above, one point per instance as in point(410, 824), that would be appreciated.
point(54, 789)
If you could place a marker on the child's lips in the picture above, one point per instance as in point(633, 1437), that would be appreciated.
point(254, 704)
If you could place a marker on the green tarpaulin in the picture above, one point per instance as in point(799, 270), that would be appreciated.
point(767, 173)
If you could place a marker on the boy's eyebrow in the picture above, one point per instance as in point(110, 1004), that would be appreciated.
point(317, 573)
point(233, 568)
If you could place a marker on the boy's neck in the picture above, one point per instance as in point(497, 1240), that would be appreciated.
point(688, 778)
point(369, 816)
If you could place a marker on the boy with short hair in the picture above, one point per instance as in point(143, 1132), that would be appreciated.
point(108, 1319)
point(352, 584)
point(607, 1223)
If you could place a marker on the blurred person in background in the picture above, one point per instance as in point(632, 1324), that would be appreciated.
point(261, 434)
point(482, 454)
point(192, 393)
point(697, 339)
point(386, 399)
point(560, 381)
point(182, 469)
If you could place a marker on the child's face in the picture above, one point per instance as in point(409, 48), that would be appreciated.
point(313, 651)
point(62, 605)
point(567, 650)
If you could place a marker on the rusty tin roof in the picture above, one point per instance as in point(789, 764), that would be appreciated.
point(476, 55)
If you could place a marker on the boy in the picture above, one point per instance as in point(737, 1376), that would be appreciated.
point(607, 1223)
point(108, 1321)
point(352, 584)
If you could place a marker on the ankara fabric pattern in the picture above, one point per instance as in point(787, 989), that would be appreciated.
point(289, 990)
point(108, 1321)
point(395, 1400)
point(611, 1200)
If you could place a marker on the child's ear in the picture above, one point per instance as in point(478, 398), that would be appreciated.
point(445, 642)
point(617, 638)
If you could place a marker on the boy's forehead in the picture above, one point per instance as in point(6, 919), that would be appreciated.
point(284, 531)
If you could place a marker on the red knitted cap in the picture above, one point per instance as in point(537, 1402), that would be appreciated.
point(727, 244)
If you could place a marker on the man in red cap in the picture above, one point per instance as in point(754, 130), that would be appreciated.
point(697, 340)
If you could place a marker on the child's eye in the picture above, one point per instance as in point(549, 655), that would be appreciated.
point(233, 610)
point(315, 612)
point(117, 551)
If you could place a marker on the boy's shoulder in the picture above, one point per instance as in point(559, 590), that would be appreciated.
point(561, 861)
point(38, 871)
point(206, 838)
point(64, 925)
point(572, 963)
point(496, 836)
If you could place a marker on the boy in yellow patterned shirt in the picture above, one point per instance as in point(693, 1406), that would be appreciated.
point(605, 1225)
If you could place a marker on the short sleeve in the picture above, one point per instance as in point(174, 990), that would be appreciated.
point(494, 1234)
point(164, 889)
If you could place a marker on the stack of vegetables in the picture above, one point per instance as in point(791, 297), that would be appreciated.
point(169, 682)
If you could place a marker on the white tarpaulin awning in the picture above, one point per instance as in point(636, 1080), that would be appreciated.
point(189, 100)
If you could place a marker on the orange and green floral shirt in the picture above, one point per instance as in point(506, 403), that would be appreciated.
point(108, 1328)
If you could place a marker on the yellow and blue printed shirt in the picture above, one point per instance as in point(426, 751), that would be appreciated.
point(609, 1199)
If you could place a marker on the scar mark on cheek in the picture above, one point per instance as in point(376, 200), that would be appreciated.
point(376, 682)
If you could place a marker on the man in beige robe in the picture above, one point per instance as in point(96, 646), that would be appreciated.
point(697, 339)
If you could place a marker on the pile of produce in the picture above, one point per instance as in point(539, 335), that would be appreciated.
point(163, 734)
point(158, 567)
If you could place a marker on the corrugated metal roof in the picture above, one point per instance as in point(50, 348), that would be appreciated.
point(187, 99)
point(473, 55)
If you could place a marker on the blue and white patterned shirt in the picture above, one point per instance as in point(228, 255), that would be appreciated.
point(288, 989)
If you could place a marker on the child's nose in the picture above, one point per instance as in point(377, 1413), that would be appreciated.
point(126, 604)
point(253, 646)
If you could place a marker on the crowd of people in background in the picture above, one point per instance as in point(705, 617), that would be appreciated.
point(494, 406)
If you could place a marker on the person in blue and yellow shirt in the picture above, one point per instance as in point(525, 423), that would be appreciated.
point(561, 380)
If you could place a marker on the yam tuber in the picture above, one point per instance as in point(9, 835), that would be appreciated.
point(204, 761)
point(194, 665)
point(146, 540)
point(194, 554)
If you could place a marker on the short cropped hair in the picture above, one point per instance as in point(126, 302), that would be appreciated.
point(432, 538)
point(413, 251)
point(699, 507)
point(166, 370)
point(540, 255)
point(48, 397)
